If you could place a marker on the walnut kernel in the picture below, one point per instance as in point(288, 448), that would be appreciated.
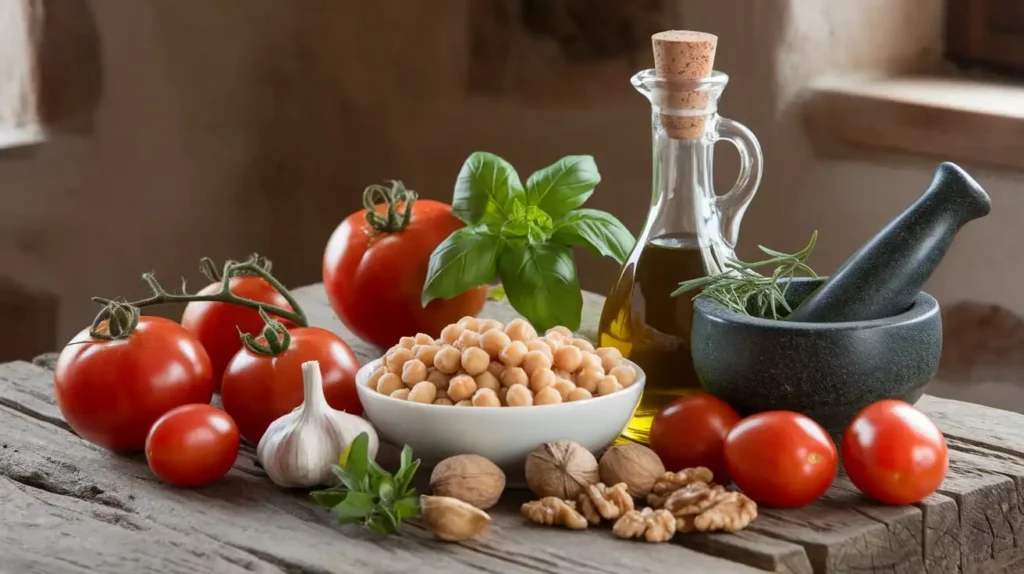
point(553, 511)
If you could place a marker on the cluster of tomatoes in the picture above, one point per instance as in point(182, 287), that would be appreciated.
point(891, 451)
point(151, 390)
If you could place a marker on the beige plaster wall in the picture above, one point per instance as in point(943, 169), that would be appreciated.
point(254, 125)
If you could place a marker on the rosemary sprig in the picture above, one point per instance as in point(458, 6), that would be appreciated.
point(741, 289)
point(368, 494)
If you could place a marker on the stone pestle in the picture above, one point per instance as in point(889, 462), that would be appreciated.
point(885, 275)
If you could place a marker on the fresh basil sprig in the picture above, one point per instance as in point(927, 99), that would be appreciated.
point(523, 235)
point(368, 494)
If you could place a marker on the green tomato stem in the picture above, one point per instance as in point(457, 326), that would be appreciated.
point(395, 197)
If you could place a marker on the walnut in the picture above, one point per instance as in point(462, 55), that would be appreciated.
point(470, 478)
point(634, 464)
point(693, 498)
point(726, 511)
point(599, 501)
point(673, 481)
point(451, 519)
point(553, 511)
point(653, 525)
point(561, 469)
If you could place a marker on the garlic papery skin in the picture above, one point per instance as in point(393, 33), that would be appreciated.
point(300, 449)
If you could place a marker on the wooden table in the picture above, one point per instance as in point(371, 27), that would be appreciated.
point(68, 506)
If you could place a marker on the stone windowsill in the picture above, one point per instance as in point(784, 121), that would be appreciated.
point(954, 118)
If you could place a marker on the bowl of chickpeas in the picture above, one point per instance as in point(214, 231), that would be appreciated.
point(498, 391)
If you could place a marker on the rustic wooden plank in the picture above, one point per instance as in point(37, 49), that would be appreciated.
point(753, 549)
point(245, 512)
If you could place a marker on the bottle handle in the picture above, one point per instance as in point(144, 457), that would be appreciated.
point(732, 205)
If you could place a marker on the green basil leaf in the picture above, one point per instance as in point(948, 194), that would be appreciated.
point(596, 230)
point(355, 505)
point(345, 478)
point(540, 282)
point(466, 259)
point(358, 457)
point(329, 498)
point(485, 189)
point(408, 507)
point(515, 228)
point(564, 185)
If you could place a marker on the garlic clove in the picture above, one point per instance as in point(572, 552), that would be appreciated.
point(451, 519)
point(300, 449)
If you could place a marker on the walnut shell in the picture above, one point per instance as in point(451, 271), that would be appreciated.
point(470, 478)
point(635, 464)
point(562, 469)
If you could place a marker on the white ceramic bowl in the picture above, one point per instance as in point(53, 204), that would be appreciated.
point(504, 435)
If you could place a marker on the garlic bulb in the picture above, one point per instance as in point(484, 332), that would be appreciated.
point(300, 449)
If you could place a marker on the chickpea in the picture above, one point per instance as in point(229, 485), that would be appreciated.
point(540, 345)
point(447, 360)
point(389, 383)
point(519, 396)
point(467, 340)
point(520, 330)
point(563, 374)
point(469, 323)
point(426, 353)
point(413, 372)
point(396, 359)
point(591, 361)
point(439, 379)
point(447, 402)
point(608, 385)
point(610, 357)
point(486, 380)
point(400, 394)
point(552, 343)
point(461, 388)
point(503, 395)
point(424, 339)
point(579, 394)
point(475, 361)
point(548, 396)
point(496, 368)
point(466, 403)
point(568, 358)
point(493, 341)
point(583, 344)
point(375, 377)
point(514, 376)
point(514, 353)
point(442, 395)
point(542, 379)
point(491, 324)
point(536, 360)
point(562, 332)
point(625, 374)
point(424, 392)
point(407, 342)
point(486, 398)
point(588, 378)
point(451, 333)
point(564, 387)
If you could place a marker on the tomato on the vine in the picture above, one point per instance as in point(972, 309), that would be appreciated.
point(216, 324)
point(781, 458)
point(691, 431)
point(115, 379)
point(259, 387)
point(375, 265)
point(192, 445)
point(893, 453)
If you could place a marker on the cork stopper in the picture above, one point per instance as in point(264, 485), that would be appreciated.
point(681, 55)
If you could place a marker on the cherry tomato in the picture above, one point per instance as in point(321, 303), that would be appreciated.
point(893, 453)
point(216, 324)
point(690, 432)
point(111, 392)
point(192, 445)
point(781, 458)
point(258, 389)
point(374, 277)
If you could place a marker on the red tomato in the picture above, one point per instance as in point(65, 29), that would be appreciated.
point(192, 445)
point(781, 458)
point(258, 389)
point(374, 279)
point(111, 392)
point(894, 453)
point(216, 324)
point(690, 432)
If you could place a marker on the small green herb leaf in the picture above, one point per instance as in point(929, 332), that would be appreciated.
point(386, 489)
point(329, 498)
point(345, 478)
point(407, 507)
point(485, 188)
point(403, 479)
point(598, 231)
point(356, 505)
point(541, 283)
point(564, 185)
point(496, 293)
point(466, 259)
point(357, 459)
